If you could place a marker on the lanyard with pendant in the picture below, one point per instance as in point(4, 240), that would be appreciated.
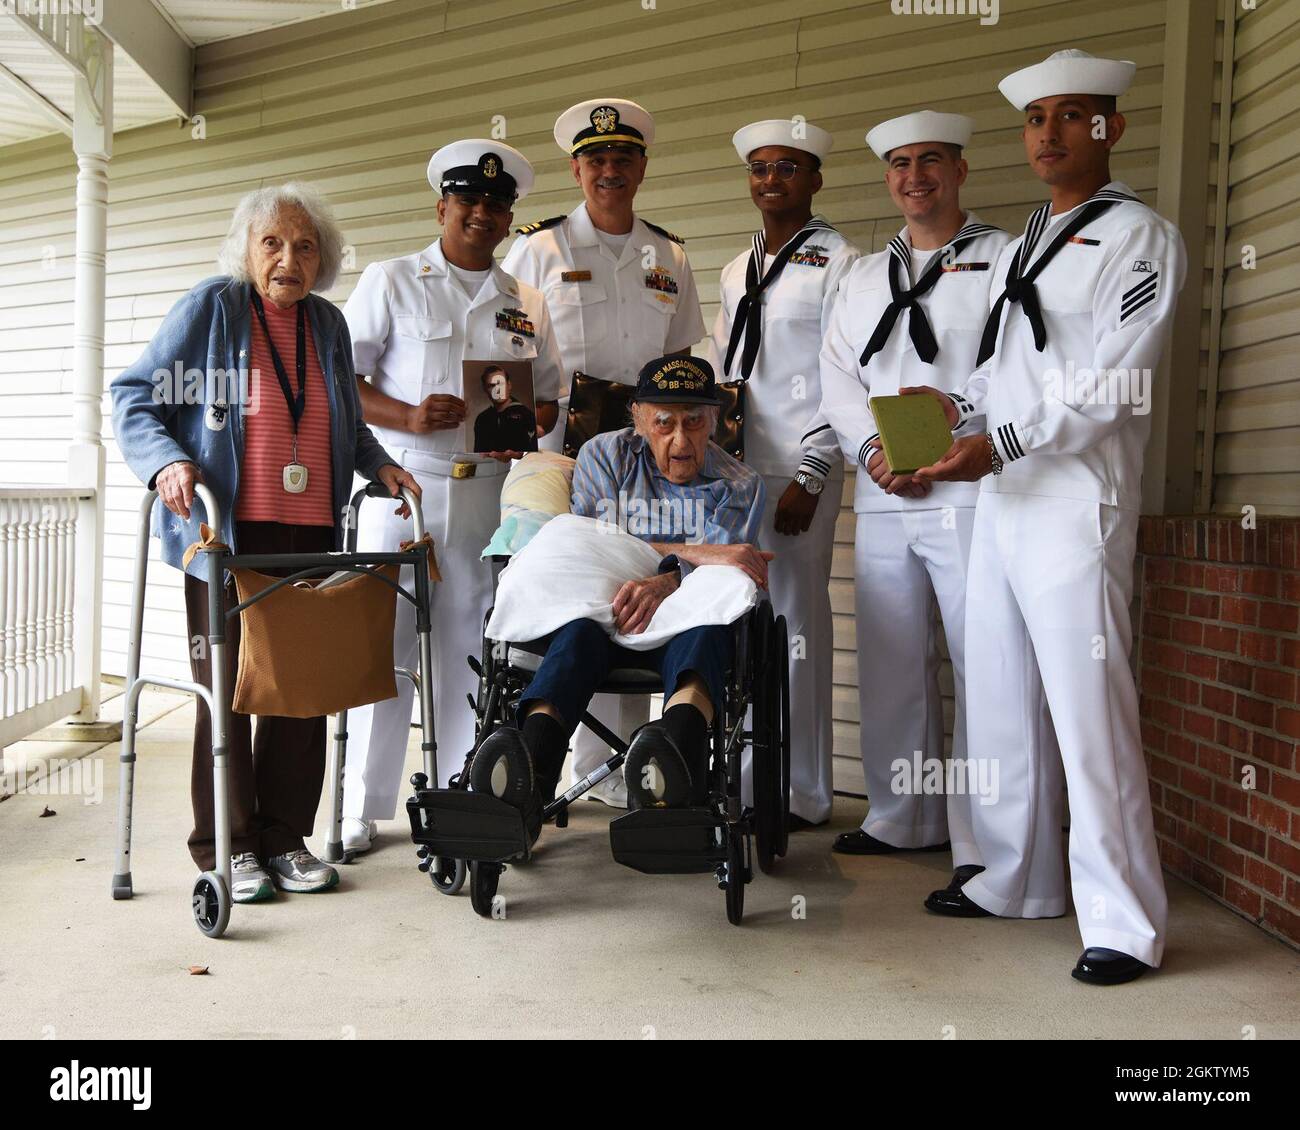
point(294, 474)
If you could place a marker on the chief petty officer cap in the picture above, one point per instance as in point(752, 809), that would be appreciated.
point(788, 133)
point(924, 125)
point(1067, 72)
point(479, 165)
point(676, 380)
point(602, 122)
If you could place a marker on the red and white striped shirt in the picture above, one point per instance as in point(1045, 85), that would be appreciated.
point(268, 431)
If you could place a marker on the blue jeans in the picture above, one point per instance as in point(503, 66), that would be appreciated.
point(580, 655)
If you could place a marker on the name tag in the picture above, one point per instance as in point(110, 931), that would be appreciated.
point(575, 276)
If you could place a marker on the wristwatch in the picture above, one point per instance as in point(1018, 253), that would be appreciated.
point(811, 483)
point(995, 459)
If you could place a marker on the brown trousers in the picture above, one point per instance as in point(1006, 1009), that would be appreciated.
point(275, 776)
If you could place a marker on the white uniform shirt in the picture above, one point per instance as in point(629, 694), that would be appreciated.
point(1108, 301)
point(412, 324)
point(956, 308)
point(611, 313)
point(783, 429)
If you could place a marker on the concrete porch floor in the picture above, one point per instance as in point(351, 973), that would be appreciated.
point(587, 948)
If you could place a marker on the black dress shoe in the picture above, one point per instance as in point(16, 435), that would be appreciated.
point(1097, 966)
point(963, 875)
point(657, 772)
point(861, 843)
point(858, 842)
point(953, 904)
point(503, 767)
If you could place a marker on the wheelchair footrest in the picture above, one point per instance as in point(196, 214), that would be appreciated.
point(669, 841)
point(462, 825)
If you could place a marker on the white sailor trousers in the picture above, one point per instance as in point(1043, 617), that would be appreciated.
point(460, 515)
point(906, 560)
point(1048, 613)
point(798, 579)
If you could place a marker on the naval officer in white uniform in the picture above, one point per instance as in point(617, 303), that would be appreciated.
point(620, 293)
point(776, 303)
point(1085, 307)
point(909, 315)
point(413, 321)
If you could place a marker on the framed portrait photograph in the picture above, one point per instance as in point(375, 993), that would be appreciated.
point(500, 408)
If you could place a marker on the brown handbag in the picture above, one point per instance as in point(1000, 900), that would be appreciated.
point(306, 651)
point(597, 406)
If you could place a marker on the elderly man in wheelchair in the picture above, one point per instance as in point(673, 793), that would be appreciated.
point(664, 482)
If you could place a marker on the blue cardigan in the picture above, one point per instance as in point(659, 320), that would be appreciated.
point(180, 401)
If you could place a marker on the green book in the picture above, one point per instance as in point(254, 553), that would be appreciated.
point(913, 431)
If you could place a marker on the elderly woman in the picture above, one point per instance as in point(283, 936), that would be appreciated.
point(661, 480)
point(248, 387)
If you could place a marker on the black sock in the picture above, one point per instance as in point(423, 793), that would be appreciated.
point(687, 727)
point(548, 742)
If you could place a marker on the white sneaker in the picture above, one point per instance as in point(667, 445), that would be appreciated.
point(301, 871)
point(358, 835)
point(249, 881)
point(611, 791)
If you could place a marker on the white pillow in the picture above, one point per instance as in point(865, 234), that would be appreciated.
point(572, 570)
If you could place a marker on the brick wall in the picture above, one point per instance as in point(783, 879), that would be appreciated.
point(1218, 665)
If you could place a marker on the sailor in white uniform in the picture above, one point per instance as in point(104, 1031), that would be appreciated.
point(413, 321)
point(1084, 309)
point(620, 293)
point(776, 303)
point(909, 315)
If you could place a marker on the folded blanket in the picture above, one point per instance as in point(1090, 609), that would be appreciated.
point(535, 491)
point(572, 570)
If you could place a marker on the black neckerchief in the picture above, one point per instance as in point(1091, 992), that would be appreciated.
point(299, 403)
point(1021, 275)
point(748, 322)
point(918, 325)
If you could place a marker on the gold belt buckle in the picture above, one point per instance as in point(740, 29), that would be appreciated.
point(463, 470)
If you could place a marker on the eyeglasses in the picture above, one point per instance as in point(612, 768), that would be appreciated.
point(666, 425)
point(784, 169)
point(494, 204)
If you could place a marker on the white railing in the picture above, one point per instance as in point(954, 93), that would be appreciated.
point(38, 633)
point(58, 27)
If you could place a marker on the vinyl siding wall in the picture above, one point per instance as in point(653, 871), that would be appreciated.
point(357, 101)
point(1256, 450)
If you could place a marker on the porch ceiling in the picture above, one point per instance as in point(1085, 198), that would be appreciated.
point(137, 98)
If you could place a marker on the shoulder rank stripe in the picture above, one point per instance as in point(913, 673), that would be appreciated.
point(539, 225)
point(663, 231)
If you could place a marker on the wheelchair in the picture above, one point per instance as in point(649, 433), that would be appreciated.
point(454, 826)
point(722, 837)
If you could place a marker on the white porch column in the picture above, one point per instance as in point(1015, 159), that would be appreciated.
point(92, 140)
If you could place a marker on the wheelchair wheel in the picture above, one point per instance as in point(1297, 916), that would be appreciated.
point(483, 879)
point(766, 756)
point(783, 742)
point(448, 875)
point(736, 877)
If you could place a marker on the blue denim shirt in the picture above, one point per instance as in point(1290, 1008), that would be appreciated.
point(181, 401)
point(616, 479)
